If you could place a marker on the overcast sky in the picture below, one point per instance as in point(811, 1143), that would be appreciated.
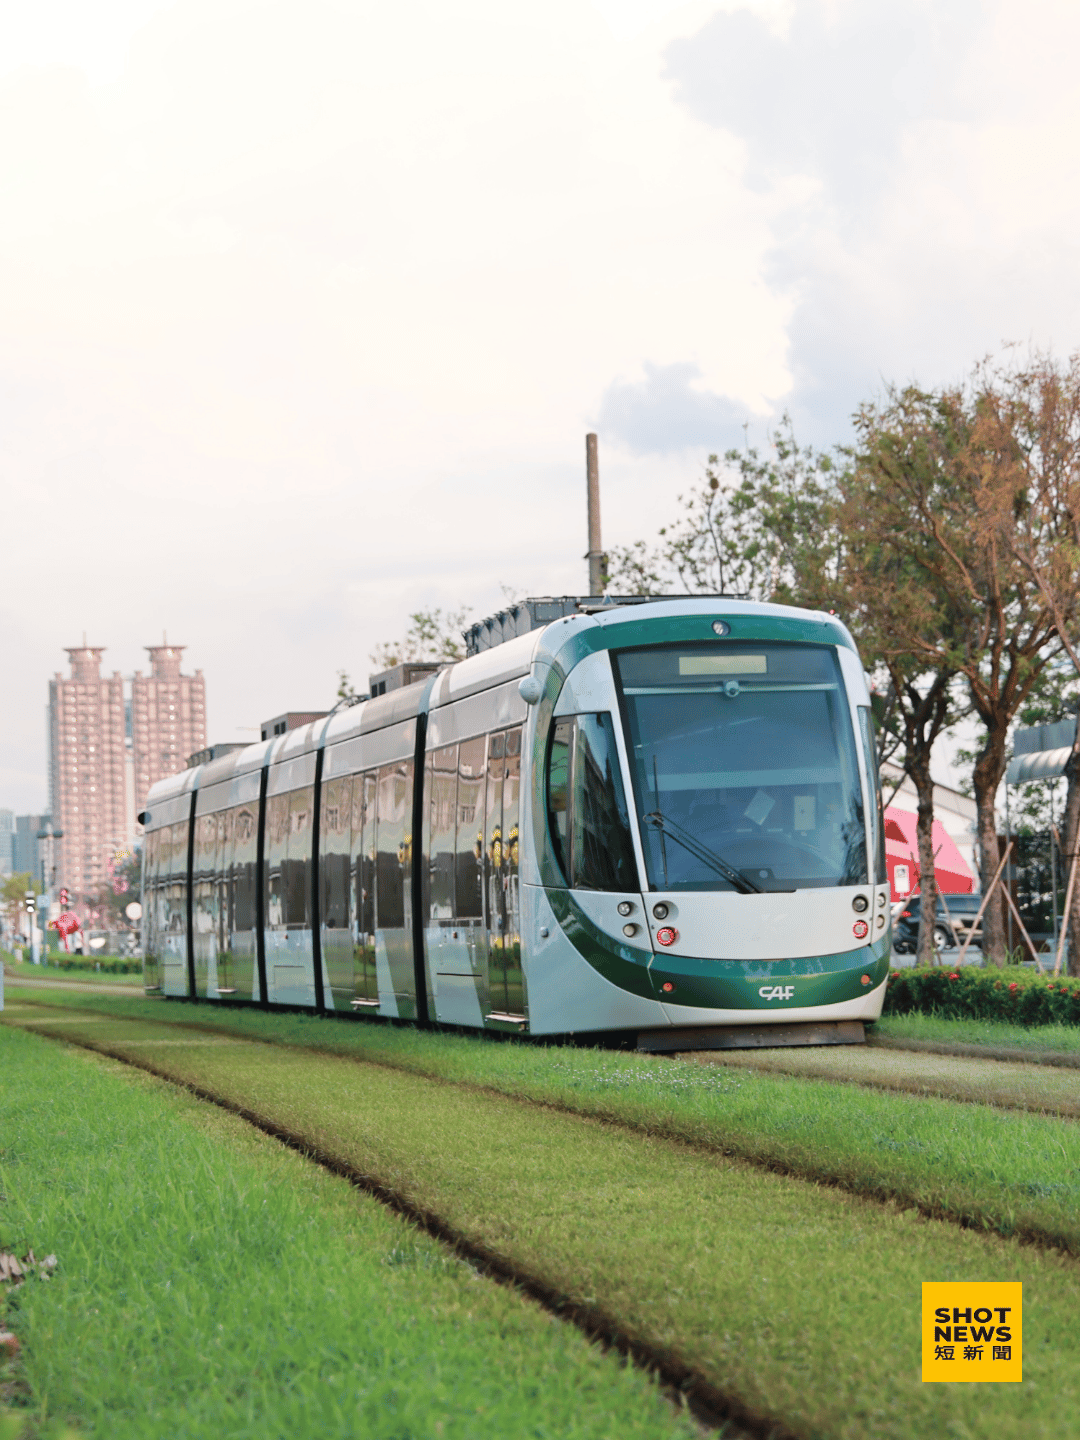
point(306, 308)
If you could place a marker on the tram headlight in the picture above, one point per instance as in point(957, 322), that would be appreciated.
point(625, 907)
point(660, 910)
point(860, 904)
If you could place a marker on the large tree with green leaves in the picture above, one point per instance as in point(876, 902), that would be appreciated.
point(1028, 428)
point(904, 617)
point(977, 486)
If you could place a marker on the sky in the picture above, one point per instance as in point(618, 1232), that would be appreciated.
point(306, 308)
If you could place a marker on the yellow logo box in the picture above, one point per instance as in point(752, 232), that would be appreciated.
point(972, 1330)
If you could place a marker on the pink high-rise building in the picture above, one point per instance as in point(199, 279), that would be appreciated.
point(87, 764)
point(106, 749)
point(168, 718)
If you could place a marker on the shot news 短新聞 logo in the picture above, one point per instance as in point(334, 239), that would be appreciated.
point(972, 1330)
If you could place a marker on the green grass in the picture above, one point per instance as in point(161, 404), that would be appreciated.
point(1014, 1085)
point(28, 971)
point(212, 1284)
point(1003, 1169)
point(803, 1300)
point(998, 1034)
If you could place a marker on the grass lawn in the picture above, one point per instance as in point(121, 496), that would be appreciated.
point(1005, 1169)
point(803, 1300)
point(996, 1034)
point(45, 973)
point(213, 1284)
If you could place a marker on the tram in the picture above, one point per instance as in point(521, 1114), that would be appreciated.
point(660, 817)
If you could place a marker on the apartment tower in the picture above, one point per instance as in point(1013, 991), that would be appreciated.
point(168, 718)
point(87, 762)
point(106, 748)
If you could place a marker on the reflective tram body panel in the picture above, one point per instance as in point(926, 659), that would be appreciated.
point(683, 830)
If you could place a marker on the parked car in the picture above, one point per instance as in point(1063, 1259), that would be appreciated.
point(955, 917)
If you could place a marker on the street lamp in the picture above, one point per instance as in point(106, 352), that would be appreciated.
point(47, 839)
point(30, 901)
point(134, 914)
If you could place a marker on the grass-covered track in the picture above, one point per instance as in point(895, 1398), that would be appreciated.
point(1015, 1172)
point(993, 1039)
point(211, 1284)
point(1009, 1084)
point(802, 1300)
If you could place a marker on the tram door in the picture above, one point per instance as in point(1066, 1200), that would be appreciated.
point(506, 990)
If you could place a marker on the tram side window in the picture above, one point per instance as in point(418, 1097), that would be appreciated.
point(277, 831)
point(442, 770)
point(587, 811)
point(296, 869)
point(468, 872)
point(150, 892)
point(334, 844)
point(877, 814)
point(394, 840)
point(226, 889)
point(363, 851)
point(204, 867)
point(174, 865)
point(245, 838)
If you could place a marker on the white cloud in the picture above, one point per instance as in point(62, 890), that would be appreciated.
point(307, 307)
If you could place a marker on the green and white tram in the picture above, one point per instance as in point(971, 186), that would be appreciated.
point(659, 818)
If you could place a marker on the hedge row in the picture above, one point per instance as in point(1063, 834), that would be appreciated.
point(969, 993)
point(110, 965)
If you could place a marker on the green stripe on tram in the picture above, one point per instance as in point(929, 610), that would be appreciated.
point(721, 984)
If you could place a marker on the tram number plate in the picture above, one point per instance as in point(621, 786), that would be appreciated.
point(776, 992)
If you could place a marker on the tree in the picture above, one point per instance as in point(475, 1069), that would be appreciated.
point(433, 636)
point(759, 525)
point(1029, 422)
point(891, 595)
point(13, 895)
point(1001, 632)
point(123, 885)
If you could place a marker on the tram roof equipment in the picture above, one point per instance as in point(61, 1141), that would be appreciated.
point(539, 610)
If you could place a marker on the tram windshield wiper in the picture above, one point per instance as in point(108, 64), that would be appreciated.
point(672, 830)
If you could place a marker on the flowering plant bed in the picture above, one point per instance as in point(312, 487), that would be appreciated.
point(1022, 996)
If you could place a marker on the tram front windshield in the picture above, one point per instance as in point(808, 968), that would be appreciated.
point(743, 759)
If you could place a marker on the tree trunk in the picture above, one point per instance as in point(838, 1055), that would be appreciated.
point(919, 770)
point(989, 768)
point(1070, 833)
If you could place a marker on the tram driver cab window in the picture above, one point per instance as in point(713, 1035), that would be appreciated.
point(587, 814)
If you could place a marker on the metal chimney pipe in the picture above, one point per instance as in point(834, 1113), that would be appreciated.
point(595, 554)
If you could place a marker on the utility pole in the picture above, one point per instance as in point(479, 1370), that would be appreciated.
point(595, 554)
